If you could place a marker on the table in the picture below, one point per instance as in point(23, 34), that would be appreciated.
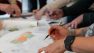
point(28, 44)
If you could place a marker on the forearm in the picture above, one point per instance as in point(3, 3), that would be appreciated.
point(81, 31)
point(78, 8)
point(55, 4)
point(83, 45)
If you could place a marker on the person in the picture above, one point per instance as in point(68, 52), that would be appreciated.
point(77, 40)
point(77, 8)
point(10, 7)
point(33, 4)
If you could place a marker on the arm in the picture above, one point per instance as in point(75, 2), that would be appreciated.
point(77, 8)
point(83, 45)
point(81, 31)
point(16, 7)
point(80, 45)
point(56, 4)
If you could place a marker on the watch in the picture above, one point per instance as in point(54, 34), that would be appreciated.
point(68, 42)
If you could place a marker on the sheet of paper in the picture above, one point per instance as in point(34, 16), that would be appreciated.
point(31, 44)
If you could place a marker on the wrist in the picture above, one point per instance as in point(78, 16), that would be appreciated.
point(71, 31)
point(69, 40)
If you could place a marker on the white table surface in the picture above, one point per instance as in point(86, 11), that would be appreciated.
point(29, 46)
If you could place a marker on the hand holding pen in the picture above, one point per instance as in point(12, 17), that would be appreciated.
point(57, 32)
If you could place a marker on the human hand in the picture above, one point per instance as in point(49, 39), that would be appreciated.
point(6, 8)
point(16, 9)
point(75, 22)
point(58, 32)
point(35, 11)
point(56, 47)
point(38, 14)
point(55, 13)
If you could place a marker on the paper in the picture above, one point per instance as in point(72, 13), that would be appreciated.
point(13, 25)
point(29, 44)
point(22, 38)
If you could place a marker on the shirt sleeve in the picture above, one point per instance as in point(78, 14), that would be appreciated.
point(12, 1)
point(78, 7)
point(56, 4)
point(90, 31)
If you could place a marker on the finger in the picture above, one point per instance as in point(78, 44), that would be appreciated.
point(8, 11)
point(72, 25)
point(67, 25)
point(54, 17)
point(18, 12)
point(35, 11)
point(75, 26)
point(52, 28)
point(40, 50)
point(37, 17)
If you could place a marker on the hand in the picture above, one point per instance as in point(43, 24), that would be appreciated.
point(16, 9)
point(55, 14)
point(38, 14)
point(35, 11)
point(56, 47)
point(58, 32)
point(6, 8)
point(75, 22)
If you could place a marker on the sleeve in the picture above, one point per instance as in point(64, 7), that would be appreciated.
point(78, 7)
point(56, 4)
point(90, 31)
point(12, 1)
point(88, 18)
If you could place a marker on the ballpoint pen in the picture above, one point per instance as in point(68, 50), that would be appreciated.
point(54, 30)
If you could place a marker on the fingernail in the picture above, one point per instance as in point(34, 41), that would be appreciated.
point(43, 52)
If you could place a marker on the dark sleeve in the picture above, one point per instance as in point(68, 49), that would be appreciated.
point(42, 3)
point(88, 19)
point(33, 4)
point(4, 1)
point(77, 8)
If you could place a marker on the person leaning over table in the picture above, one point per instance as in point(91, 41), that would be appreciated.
point(78, 7)
point(34, 8)
point(33, 4)
point(10, 7)
point(77, 40)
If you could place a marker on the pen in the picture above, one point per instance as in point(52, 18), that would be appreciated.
point(54, 30)
point(49, 34)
